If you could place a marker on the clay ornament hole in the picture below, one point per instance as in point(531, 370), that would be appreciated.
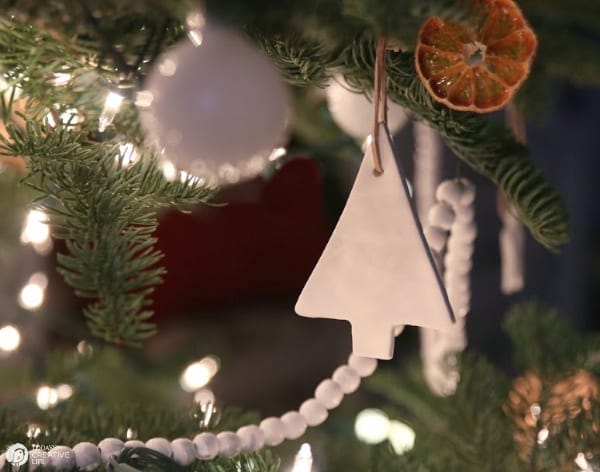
point(474, 53)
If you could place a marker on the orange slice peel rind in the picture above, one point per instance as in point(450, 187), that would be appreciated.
point(477, 68)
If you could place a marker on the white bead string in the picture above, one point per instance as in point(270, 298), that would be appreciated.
point(453, 213)
point(271, 431)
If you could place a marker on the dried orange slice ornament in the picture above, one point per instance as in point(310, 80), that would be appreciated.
point(479, 67)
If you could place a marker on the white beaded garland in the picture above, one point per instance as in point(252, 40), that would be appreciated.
point(87, 456)
point(61, 458)
point(159, 445)
point(294, 424)
point(441, 215)
point(436, 237)
point(274, 431)
point(229, 444)
point(110, 447)
point(465, 231)
point(329, 394)
point(134, 443)
point(206, 445)
point(184, 451)
point(347, 378)
point(464, 214)
point(364, 366)
point(313, 411)
point(468, 192)
point(449, 191)
point(252, 438)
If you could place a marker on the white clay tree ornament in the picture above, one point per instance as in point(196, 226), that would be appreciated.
point(377, 270)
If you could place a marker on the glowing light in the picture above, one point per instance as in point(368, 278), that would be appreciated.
point(112, 104)
point(167, 67)
point(33, 293)
point(33, 431)
point(131, 434)
point(169, 170)
point(10, 338)
point(372, 426)
point(46, 397)
point(198, 374)
point(64, 392)
point(583, 464)
point(543, 435)
point(195, 22)
point(68, 117)
point(401, 436)
point(127, 154)
point(35, 230)
point(277, 153)
point(60, 78)
point(303, 460)
point(204, 396)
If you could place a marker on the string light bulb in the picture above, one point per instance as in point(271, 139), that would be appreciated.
point(198, 374)
point(33, 293)
point(10, 338)
point(372, 426)
point(304, 460)
point(112, 104)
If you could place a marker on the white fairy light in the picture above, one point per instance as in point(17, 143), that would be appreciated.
point(204, 396)
point(64, 392)
point(127, 154)
point(303, 460)
point(198, 374)
point(68, 117)
point(46, 397)
point(144, 98)
point(10, 338)
point(401, 437)
point(32, 295)
point(277, 153)
point(36, 229)
point(543, 435)
point(60, 78)
point(195, 22)
point(112, 104)
point(169, 170)
point(372, 426)
point(583, 464)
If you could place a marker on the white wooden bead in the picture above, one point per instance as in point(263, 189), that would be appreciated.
point(206, 445)
point(110, 447)
point(449, 191)
point(159, 445)
point(464, 214)
point(468, 192)
point(441, 215)
point(456, 282)
point(457, 264)
point(462, 311)
point(313, 411)
point(184, 451)
point(252, 438)
point(61, 458)
point(87, 456)
point(464, 231)
point(229, 444)
point(329, 394)
point(134, 443)
point(274, 431)
point(460, 249)
point(294, 424)
point(347, 378)
point(364, 366)
point(436, 237)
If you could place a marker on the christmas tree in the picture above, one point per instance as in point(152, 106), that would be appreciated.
point(171, 173)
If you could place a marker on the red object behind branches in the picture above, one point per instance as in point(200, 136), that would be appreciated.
point(264, 243)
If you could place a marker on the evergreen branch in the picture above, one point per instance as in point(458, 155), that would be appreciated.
point(487, 147)
point(106, 212)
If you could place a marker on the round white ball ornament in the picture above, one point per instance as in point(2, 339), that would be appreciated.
point(216, 107)
point(353, 112)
